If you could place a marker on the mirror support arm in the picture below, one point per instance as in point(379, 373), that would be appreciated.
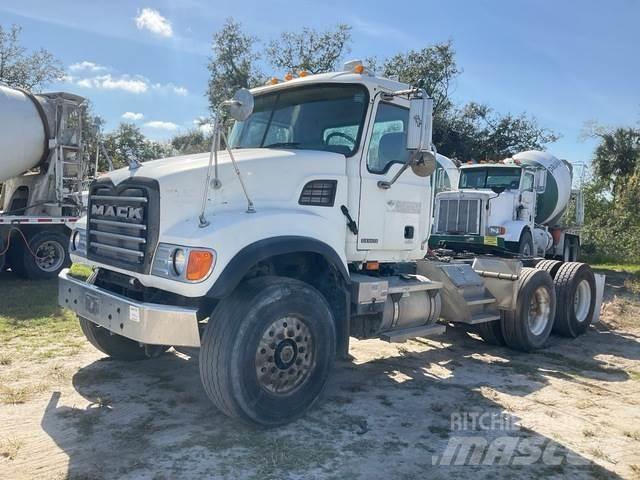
point(385, 185)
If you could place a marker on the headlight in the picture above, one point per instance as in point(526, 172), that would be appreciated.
point(178, 261)
point(185, 264)
point(78, 242)
point(497, 230)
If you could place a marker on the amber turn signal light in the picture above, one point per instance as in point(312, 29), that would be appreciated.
point(200, 264)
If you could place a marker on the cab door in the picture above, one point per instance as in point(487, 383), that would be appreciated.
point(392, 219)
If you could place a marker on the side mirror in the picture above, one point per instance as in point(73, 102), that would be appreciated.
point(423, 164)
point(240, 106)
point(419, 130)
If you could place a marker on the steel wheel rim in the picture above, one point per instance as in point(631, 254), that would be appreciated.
point(582, 301)
point(539, 310)
point(284, 356)
point(49, 256)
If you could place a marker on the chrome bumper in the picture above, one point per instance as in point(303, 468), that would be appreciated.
point(150, 323)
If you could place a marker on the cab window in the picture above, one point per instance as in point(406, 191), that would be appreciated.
point(388, 138)
point(527, 182)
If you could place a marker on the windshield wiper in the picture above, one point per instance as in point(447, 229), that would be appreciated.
point(281, 145)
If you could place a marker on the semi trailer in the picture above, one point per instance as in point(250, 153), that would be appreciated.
point(42, 174)
point(517, 205)
point(310, 227)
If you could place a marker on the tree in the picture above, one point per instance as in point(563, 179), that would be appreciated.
point(435, 66)
point(127, 143)
point(612, 196)
point(310, 50)
point(476, 132)
point(231, 65)
point(193, 141)
point(471, 132)
point(617, 157)
point(19, 69)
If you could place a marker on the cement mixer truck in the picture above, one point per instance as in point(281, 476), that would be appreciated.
point(43, 173)
point(514, 206)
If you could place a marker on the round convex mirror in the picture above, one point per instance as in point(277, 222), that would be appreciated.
point(241, 106)
point(424, 165)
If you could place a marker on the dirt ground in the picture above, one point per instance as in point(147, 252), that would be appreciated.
point(395, 411)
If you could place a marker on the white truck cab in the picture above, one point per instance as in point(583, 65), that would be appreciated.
point(311, 226)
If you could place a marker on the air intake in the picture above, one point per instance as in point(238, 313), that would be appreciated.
point(319, 193)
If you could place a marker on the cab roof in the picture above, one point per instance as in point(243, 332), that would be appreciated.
point(489, 164)
point(368, 80)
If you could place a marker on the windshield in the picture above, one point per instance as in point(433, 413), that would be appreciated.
point(509, 178)
point(318, 117)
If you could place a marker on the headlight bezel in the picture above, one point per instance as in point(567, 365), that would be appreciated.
point(164, 265)
point(496, 230)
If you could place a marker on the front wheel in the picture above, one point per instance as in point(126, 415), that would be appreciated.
point(267, 351)
point(117, 346)
point(525, 245)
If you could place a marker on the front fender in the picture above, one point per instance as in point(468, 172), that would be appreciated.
point(514, 229)
point(258, 236)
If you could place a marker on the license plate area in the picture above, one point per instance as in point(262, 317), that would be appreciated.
point(92, 304)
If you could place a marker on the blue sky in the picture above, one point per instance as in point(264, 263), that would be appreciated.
point(564, 62)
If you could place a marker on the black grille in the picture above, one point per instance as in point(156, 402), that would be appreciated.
point(319, 193)
point(123, 223)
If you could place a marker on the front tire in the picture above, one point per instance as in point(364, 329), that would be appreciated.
point(117, 346)
point(267, 351)
point(528, 327)
point(525, 245)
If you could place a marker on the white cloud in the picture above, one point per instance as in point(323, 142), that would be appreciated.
point(160, 125)
point(150, 19)
point(132, 116)
point(108, 82)
point(171, 88)
point(135, 84)
point(86, 66)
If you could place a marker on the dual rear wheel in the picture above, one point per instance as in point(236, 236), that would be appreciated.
point(553, 296)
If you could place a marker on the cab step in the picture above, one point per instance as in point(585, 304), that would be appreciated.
point(480, 301)
point(396, 336)
point(482, 318)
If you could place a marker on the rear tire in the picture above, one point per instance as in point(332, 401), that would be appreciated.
point(550, 266)
point(52, 255)
point(117, 346)
point(267, 351)
point(576, 292)
point(528, 327)
point(491, 332)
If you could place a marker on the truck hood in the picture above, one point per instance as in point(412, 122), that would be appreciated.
point(274, 179)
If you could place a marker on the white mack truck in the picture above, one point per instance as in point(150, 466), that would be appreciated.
point(309, 228)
